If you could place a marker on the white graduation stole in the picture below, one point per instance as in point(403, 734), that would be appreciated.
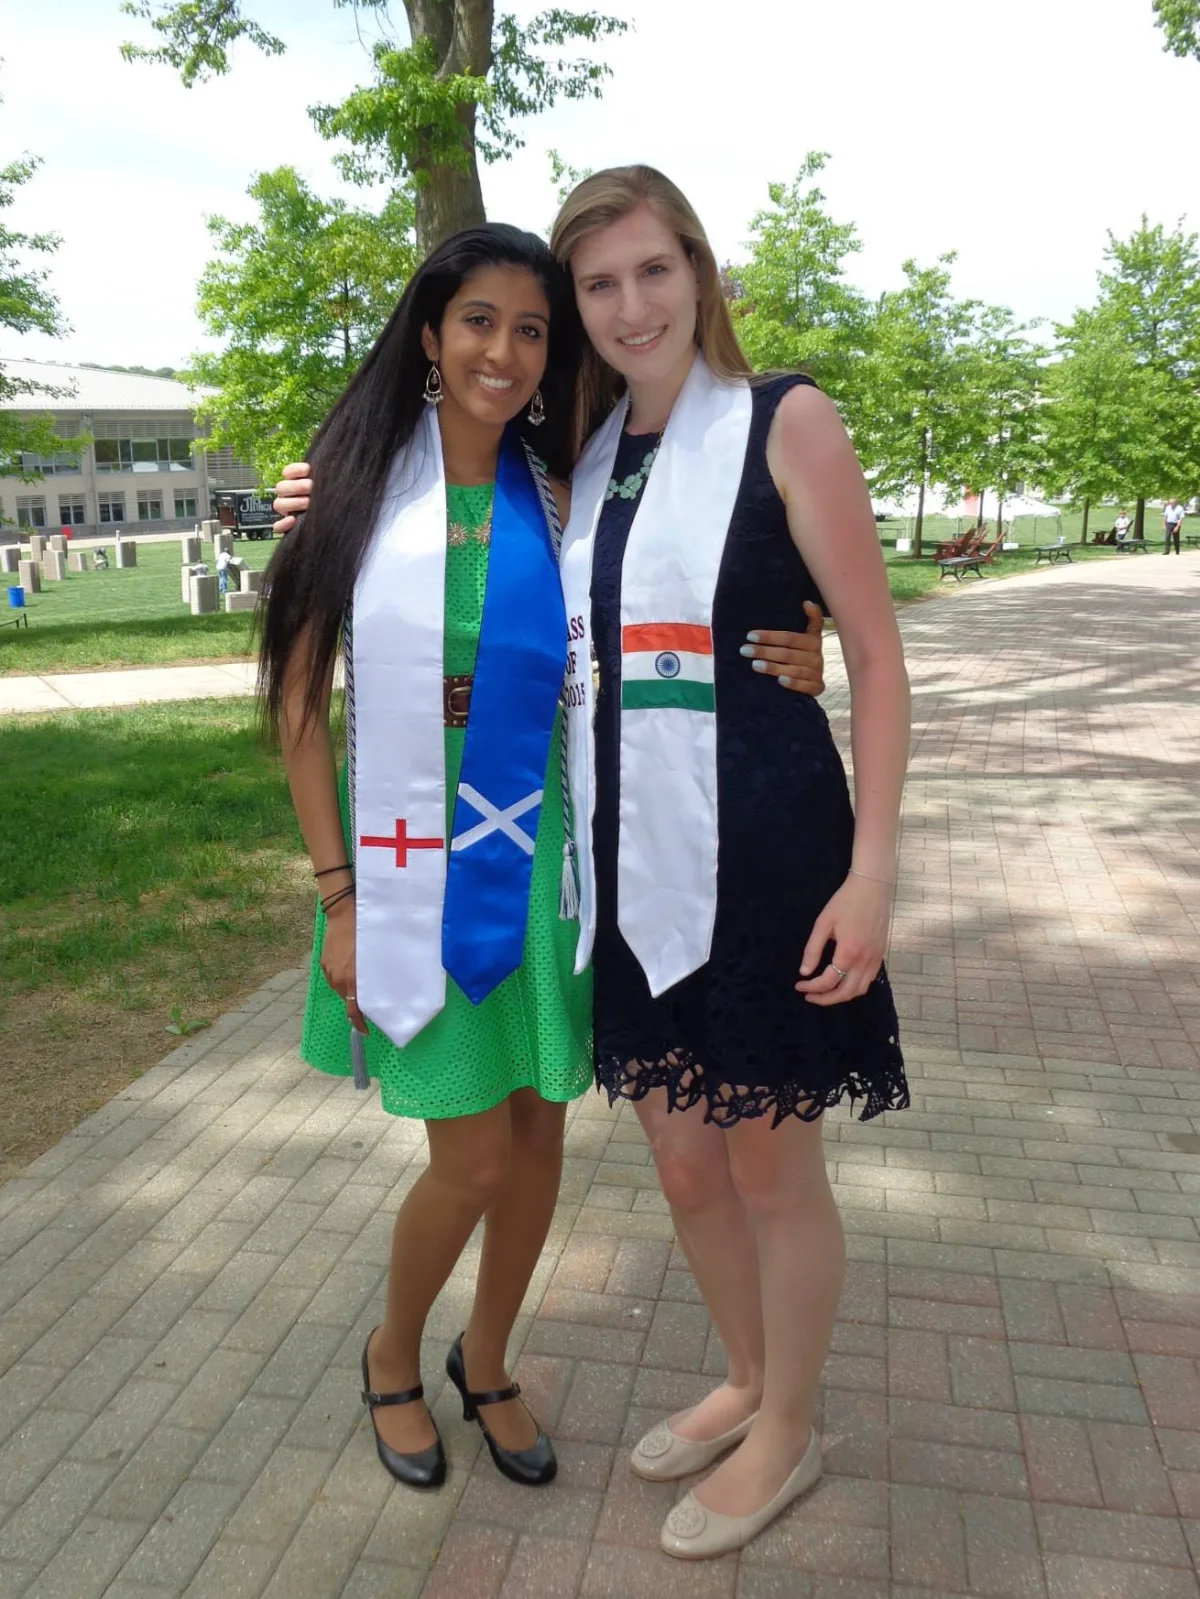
point(667, 867)
point(399, 761)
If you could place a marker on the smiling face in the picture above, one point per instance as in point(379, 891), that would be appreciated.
point(637, 291)
point(491, 346)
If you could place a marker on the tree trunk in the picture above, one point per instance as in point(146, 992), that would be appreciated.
point(1000, 516)
point(1087, 505)
point(450, 199)
point(448, 203)
point(921, 493)
point(1139, 520)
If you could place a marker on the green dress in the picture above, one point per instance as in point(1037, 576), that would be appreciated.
point(534, 1030)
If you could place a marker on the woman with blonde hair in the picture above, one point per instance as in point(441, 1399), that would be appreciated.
point(734, 908)
point(739, 908)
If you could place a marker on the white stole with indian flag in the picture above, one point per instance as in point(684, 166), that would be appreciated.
point(667, 866)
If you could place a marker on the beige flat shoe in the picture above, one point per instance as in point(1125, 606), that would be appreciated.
point(663, 1456)
point(691, 1532)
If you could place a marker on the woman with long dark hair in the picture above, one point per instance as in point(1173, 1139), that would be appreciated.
point(429, 493)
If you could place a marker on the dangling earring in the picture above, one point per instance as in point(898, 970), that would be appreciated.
point(433, 386)
point(537, 409)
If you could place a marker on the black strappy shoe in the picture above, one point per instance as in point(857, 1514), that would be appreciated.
point(426, 1468)
point(532, 1466)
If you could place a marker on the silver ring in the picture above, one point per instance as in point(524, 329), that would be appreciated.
point(838, 970)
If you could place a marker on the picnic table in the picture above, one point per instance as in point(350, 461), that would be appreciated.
point(1051, 553)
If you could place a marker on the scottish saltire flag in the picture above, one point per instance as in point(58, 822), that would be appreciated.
point(667, 666)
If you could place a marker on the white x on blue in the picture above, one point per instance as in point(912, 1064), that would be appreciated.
point(494, 819)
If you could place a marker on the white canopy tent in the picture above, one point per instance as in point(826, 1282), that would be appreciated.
point(964, 511)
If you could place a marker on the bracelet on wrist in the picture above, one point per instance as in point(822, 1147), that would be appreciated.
point(336, 899)
point(326, 870)
point(888, 882)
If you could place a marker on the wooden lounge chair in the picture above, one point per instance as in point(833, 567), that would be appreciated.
point(973, 561)
point(965, 544)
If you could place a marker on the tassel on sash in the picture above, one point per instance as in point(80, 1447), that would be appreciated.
point(568, 897)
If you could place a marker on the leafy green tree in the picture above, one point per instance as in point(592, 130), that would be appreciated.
point(26, 305)
point(918, 404)
point(564, 176)
point(1150, 293)
point(436, 104)
point(1180, 22)
point(145, 371)
point(1103, 414)
point(792, 304)
point(297, 297)
point(1003, 426)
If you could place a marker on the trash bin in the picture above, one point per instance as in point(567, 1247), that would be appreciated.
point(16, 597)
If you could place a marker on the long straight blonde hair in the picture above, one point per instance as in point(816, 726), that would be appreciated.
point(599, 201)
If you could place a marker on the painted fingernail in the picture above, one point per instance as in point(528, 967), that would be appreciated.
point(746, 649)
point(759, 666)
point(755, 638)
point(786, 681)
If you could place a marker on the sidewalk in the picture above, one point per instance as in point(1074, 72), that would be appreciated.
point(1012, 1407)
point(137, 685)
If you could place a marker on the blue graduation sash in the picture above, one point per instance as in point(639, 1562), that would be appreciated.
point(518, 679)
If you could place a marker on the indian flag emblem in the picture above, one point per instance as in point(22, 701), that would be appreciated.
point(667, 666)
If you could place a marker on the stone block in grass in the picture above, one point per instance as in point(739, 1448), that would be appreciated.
point(203, 594)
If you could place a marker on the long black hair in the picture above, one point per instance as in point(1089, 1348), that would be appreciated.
point(312, 576)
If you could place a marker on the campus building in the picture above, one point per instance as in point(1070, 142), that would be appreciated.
point(141, 470)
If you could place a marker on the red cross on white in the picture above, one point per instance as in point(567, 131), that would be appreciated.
point(401, 843)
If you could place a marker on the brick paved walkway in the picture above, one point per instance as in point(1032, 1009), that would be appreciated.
point(1012, 1408)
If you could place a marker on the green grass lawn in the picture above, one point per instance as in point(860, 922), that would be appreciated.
point(910, 580)
point(136, 618)
point(149, 861)
point(128, 617)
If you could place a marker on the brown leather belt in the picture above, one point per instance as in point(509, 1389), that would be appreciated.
point(456, 699)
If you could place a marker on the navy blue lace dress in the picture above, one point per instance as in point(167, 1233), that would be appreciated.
point(735, 1034)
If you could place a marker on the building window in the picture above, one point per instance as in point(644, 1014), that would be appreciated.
point(150, 446)
point(72, 511)
point(149, 508)
point(31, 512)
point(185, 505)
point(56, 461)
point(112, 507)
point(48, 465)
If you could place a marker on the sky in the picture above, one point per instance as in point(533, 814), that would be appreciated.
point(1016, 134)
